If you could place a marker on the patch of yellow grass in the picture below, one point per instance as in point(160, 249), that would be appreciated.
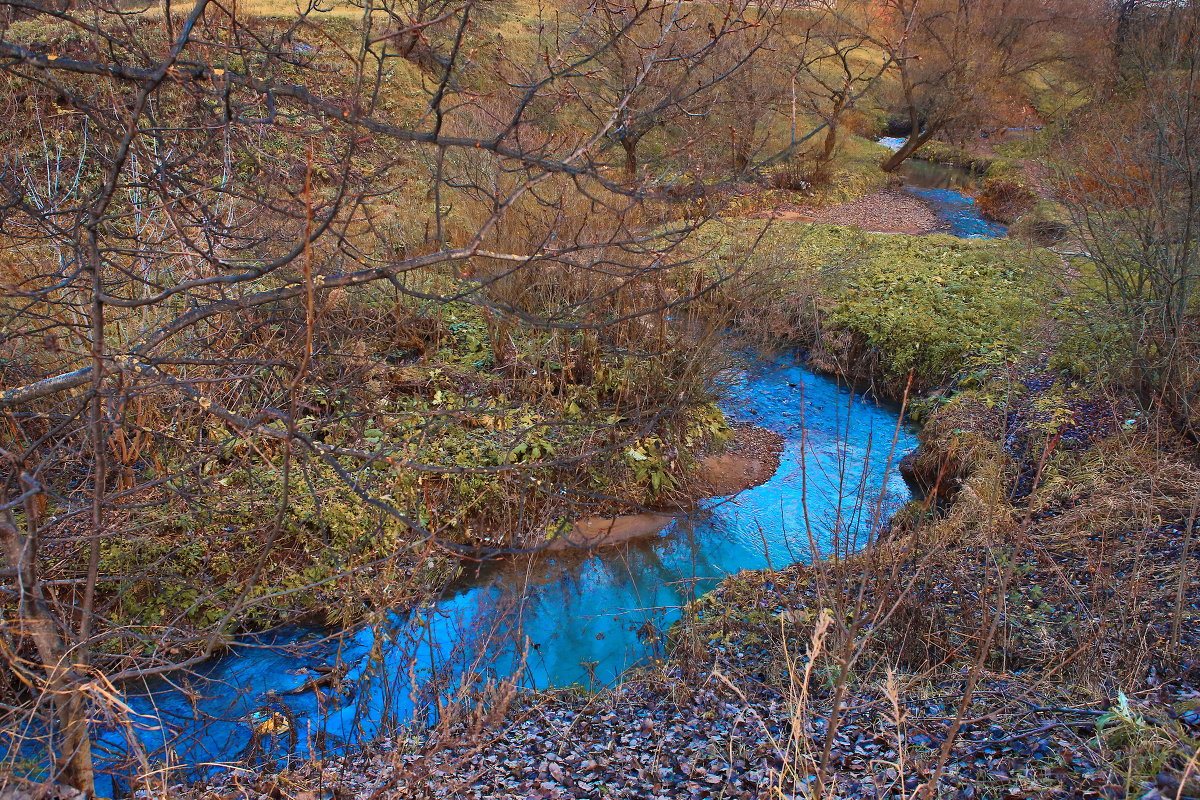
point(337, 9)
point(280, 9)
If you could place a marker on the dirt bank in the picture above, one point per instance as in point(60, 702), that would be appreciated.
point(750, 459)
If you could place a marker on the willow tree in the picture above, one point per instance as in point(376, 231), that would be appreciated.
point(952, 60)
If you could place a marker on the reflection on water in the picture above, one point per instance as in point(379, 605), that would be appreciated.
point(572, 618)
point(932, 175)
point(945, 188)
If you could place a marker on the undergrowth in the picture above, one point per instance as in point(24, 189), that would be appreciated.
point(925, 304)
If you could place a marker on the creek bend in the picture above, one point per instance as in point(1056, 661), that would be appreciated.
point(946, 189)
point(565, 618)
point(558, 619)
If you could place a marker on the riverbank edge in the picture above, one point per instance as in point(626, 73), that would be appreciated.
point(962, 467)
point(749, 460)
point(938, 459)
point(655, 680)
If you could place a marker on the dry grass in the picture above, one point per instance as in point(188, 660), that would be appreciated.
point(282, 9)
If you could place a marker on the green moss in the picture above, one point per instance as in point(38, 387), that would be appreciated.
point(931, 304)
point(429, 398)
point(1008, 169)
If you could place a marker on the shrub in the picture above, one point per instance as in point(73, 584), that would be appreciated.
point(1005, 201)
point(793, 177)
point(946, 153)
point(869, 124)
point(1039, 228)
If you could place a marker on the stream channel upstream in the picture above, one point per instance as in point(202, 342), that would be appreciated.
point(946, 189)
point(567, 618)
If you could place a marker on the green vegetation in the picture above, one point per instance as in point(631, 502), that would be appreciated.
point(306, 309)
point(933, 304)
point(930, 304)
point(478, 456)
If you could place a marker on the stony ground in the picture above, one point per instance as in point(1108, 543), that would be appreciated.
point(722, 739)
point(885, 211)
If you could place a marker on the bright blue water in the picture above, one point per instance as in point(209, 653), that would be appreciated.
point(567, 619)
point(959, 211)
point(947, 190)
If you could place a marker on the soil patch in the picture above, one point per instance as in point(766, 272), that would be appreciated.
point(750, 460)
point(592, 532)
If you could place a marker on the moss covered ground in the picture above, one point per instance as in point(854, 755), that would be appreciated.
point(932, 305)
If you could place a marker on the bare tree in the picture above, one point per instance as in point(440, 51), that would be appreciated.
point(1130, 180)
point(835, 67)
point(661, 63)
point(950, 60)
point(207, 222)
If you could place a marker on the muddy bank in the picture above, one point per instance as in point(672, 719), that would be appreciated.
point(750, 460)
point(604, 531)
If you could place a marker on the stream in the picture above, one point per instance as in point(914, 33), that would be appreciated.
point(553, 621)
point(947, 190)
point(568, 618)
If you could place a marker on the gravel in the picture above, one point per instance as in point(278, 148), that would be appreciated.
point(885, 211)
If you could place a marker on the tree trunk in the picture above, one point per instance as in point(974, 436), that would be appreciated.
point(740, 151)
point(629, 144)
point(1126, 9)
point(910, 146)
point(74, 762)
point(821, 173)
point(76, 753)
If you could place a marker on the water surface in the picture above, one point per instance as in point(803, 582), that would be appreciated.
point(948, 190)
point(567, 619)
